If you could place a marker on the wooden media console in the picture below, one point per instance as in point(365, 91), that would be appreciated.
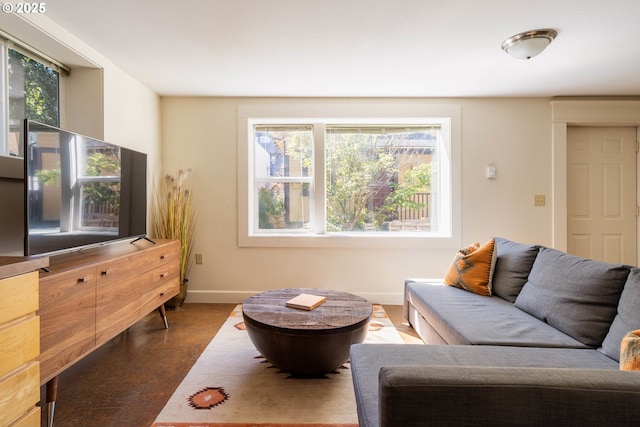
point(89, 296)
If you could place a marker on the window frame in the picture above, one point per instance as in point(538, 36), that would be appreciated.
point(9, 43)
point(4, 99)
point(79, 158)
point(375, 113)
point(256, 181)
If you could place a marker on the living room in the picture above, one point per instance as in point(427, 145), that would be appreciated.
point(510, 114)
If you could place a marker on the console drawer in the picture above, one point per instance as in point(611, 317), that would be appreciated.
point(20, 343)
point(157, 296)
point(159, 256)
point(22, 291)
point(19, 393)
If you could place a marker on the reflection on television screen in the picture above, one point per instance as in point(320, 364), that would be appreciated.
point(80, 191)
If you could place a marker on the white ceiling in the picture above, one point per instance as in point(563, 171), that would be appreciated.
point(434, 48)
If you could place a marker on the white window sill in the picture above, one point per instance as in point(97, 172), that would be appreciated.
point(395, 240)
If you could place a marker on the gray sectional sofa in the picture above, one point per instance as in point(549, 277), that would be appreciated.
point(542, 350)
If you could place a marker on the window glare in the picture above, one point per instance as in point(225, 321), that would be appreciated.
point(283, 152)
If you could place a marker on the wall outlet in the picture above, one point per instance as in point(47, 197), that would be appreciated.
point(539, 200)
point(199, 258)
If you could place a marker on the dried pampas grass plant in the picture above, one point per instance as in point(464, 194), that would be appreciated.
point(174, 218)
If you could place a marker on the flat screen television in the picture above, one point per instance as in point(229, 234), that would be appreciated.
point(80, 191)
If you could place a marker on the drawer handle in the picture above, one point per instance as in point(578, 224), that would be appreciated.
point(163, 275)
point(104, 272)
point(161, 256)
point(161, 294)
point(81, 280)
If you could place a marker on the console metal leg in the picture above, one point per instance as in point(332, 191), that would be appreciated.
point(163, 315)
point(52, 395)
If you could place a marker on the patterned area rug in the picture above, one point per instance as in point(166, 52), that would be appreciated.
point(232, 385)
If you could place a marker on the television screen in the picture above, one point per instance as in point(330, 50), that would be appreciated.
point(80, 191)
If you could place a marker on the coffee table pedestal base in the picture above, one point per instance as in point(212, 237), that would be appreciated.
point(302, 353)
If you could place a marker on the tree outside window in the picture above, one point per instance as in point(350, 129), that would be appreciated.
point(33, 94)
point(376, 175)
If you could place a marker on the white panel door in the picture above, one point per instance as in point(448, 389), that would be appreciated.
point(601, 191)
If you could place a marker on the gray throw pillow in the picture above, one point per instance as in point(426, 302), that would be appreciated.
point(575, 295)
point(512, 268)
point(628, 317)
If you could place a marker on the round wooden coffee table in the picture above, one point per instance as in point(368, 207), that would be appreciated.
point(306, 342)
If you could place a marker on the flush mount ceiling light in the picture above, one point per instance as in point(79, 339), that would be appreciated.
point(528, 44)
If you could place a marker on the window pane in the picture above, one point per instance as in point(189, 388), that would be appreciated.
point(100, 205)
point(379, 178)
point(283, 151)
point(283, 206)
point(99, 175)
point(33, 94)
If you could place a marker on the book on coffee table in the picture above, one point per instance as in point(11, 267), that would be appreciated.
point(305, 301)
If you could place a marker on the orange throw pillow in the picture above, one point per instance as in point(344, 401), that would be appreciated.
point(630, 352)
point(472, 268)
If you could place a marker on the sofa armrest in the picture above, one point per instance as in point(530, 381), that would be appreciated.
point(455, 396)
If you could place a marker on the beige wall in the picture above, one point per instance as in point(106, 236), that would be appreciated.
point(512, 134)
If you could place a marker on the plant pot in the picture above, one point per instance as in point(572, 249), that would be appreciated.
point(178, 300)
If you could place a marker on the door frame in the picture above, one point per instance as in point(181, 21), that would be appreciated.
point(577, 112)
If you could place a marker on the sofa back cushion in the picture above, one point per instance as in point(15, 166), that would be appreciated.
point(578, 296)
point(512, 268)
point(628, 317)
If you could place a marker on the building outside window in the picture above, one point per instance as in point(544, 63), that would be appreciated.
point(283, 175)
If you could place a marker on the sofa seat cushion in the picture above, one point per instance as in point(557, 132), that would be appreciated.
point(368, 359)
point(628, 317)
point(461, 317)
point(512, 268)
point(576, 295)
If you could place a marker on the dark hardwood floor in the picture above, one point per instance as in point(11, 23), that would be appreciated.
point(128, 381)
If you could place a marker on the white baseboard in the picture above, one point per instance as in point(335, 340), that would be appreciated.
point(209, 297)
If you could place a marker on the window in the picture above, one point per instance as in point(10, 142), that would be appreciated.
point(323, 181)
point(30, 89)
